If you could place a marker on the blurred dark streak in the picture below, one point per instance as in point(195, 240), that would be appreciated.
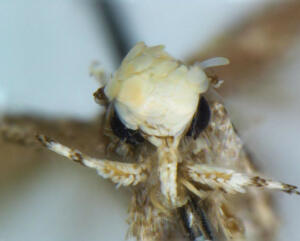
point(110, 13)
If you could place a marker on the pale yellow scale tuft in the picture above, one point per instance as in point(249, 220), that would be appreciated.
point(154, 92)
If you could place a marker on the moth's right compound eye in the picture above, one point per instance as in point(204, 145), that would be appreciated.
point(200, 120)
point(127, 135)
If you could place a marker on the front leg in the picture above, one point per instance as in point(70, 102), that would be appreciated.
point(231, 181)
point(124, 174)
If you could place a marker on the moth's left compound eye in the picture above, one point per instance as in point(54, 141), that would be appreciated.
point(127, 135)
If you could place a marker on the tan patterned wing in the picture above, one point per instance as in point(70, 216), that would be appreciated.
point(21, 152)
point(251, 213)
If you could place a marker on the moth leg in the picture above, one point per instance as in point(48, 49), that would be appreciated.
point(231, 226)
point(124, 174)
point(198, 192)
point(233, 182)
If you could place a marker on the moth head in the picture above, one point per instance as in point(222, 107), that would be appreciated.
point(154, 93)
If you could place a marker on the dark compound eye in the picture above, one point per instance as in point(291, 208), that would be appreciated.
point(200, 120)
point(129, 136)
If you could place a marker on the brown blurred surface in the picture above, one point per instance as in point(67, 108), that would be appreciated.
point(254, 45)
point(21, 152)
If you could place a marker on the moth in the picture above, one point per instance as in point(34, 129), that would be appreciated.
point(176, 149)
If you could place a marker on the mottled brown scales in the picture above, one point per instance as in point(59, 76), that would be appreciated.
point(151, 218)
point(290, 189)
point(218, 176)
point(232, 223)
point(45, 140)
point(16, 134)
point(258, 181)
point(75, 156)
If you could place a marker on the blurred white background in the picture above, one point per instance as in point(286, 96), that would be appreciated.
point(46, 50)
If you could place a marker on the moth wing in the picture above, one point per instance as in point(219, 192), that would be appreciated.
point(21, 152)
point(254, 210)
